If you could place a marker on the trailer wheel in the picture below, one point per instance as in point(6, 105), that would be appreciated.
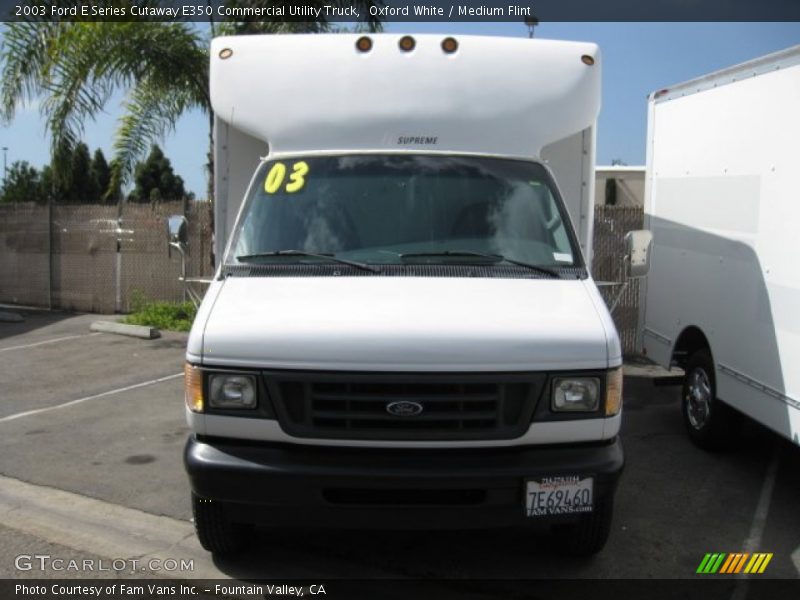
point(214, 530)
point(589, 534)
point(711, 424)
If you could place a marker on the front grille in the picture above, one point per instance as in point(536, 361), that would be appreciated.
point(366, 406)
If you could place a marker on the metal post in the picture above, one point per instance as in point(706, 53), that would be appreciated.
point(118, 280)
point(50, 248)
point(118, 262)
point(182, 251)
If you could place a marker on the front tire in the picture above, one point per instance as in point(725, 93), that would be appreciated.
point(215, 531)
point(711, 424)
point(589, 534)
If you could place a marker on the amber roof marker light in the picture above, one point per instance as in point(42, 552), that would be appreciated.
point(364, 44)
point(587, 60)
point(449, 45)
point(225, 53)
point(407, 43)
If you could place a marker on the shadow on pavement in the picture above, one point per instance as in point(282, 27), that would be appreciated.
point(33, 320)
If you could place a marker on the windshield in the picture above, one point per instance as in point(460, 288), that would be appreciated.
point(401, 209)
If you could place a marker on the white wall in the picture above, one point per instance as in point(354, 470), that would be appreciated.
point(630, 185)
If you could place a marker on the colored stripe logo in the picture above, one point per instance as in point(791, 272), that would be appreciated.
point(737, 562)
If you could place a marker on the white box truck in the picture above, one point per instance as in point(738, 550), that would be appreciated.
point(723, 293)
point(403, 331)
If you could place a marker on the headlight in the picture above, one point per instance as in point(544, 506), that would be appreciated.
point(231, 390)
point(576, 394)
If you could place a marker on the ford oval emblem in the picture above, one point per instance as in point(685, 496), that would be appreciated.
point(404, 408)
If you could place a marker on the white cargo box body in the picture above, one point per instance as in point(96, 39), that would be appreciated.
point(722, 202)
point(331, 98)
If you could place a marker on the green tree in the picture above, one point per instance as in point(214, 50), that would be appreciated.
point(22, 184)
point(155, 180)
point(55, 183)
point(82, 188)
point(74, 67)
point(47, 184)
point(114, 191)
point(100, 173)
point(80, 181)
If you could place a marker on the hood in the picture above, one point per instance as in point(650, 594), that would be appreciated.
point(402, 324)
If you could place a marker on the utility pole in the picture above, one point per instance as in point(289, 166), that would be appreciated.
point(5, 163)
point(531, 22)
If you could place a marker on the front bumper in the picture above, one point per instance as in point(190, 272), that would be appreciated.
point(282, 484)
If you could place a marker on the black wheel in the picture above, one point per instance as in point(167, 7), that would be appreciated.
point(214, 530)
point(589, 534)
point(711, 424)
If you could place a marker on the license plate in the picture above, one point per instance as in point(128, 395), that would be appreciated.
point(559, 496)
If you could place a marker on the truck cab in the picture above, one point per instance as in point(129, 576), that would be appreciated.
point(403, 331)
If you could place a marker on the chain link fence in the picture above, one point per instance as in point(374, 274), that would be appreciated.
point(97, 258)
point(147, 269)
point(25, 254)
point(611, 223)
point(78, 258)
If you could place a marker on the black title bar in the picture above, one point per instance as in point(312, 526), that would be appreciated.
point(388, 11)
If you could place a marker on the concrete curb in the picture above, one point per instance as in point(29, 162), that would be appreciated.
point(139, 331)
point(652, 371)
point(102, 528)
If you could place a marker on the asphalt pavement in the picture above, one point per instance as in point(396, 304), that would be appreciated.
point(92, 429)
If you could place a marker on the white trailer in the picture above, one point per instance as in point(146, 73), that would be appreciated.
point(722, 297)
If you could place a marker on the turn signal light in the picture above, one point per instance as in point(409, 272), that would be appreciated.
point(614, 392)
point(193, 387)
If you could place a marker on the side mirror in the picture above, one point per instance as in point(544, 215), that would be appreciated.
point(638, 245)
point(177, 230)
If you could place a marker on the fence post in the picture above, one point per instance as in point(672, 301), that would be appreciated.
point(50, 249)
point(118, 262)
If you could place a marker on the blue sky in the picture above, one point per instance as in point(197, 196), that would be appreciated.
point(637, 59)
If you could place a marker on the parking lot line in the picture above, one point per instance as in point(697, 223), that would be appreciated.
point(753, 541)
point(53, 341)
point(37, 411)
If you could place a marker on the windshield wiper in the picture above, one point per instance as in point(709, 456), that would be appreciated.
point(493, 257)
point(323, 256)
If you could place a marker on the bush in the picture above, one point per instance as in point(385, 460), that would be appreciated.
point(174, 316)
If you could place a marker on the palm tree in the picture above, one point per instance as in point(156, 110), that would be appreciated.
point(75, 67)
